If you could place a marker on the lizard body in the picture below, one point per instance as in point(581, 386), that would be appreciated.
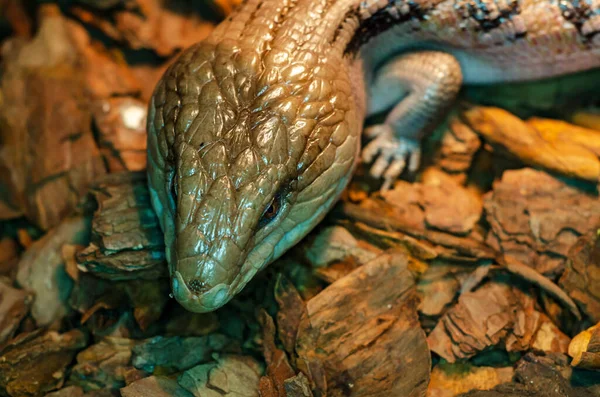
point(254, 132)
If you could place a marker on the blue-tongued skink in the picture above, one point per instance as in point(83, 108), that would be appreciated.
point(254, 132)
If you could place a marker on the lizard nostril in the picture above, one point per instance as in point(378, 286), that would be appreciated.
point(198, 286)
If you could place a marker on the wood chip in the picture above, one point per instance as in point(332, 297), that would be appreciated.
point(121, 125)
point(36, 363)
point(581, 279)
point(127, 242)
point(532, 218)
point(458, 146)
point(449, 380)
point(164, 27)
point(495, 315)
point(538, 375)
point(278, 366)
point(585, 349)
point(14, 306)
point(174, 354)
point(373, 353)
point(46, 111)
point(155, 386)
point(234, 376)
point(9, 256)
point(554, 153)
point(291, 310)
point(103, 365)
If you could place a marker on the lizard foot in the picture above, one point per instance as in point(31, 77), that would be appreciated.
point(392, 154)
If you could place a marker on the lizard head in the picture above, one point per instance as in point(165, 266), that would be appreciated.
point(247, 151)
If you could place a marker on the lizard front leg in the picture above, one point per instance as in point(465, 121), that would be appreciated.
point(426, 83)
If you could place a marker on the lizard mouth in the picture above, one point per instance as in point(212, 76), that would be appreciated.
point(208, 300)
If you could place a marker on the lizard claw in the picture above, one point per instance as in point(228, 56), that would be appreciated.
point(392, 154)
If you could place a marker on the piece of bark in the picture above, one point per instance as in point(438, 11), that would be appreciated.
point(438, 288)
point(536, 217)
point(69, 391)
point(361, 334)
point(42, 269)
point(181, 322)
point(75, 391)
point(16, 14)
point(291, 310)
point(102, 366)
point(9, 257)
point(105, 73)
point(538, 375)
point(448, 205)
point(581, 279)
point(36, 363)
point(278, 366)
point(439, 203)
point(334, 252)
point(150, 74)
point(561, 131)
point(336, 244)
point(552, 152)
point(298, 386)
point(585, 349)
point(155, 386)
point(108, 4)
point(457, 147)
point(174, 354)
point(385, 239)
point(46, 113)
point(127, 242)
point(121, 125)
point(165, 27)
point(235, 376)
point(588, 118)
point(377, 213)
point(14, 306)
point(495, 315)
point(94, 298)
point(449, 380)
point(526, 273)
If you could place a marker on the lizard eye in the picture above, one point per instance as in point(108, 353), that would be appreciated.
point(271, 211)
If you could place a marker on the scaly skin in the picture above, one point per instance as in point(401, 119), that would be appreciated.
point(254, 132)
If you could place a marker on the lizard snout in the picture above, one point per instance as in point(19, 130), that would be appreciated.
point(199, 298)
